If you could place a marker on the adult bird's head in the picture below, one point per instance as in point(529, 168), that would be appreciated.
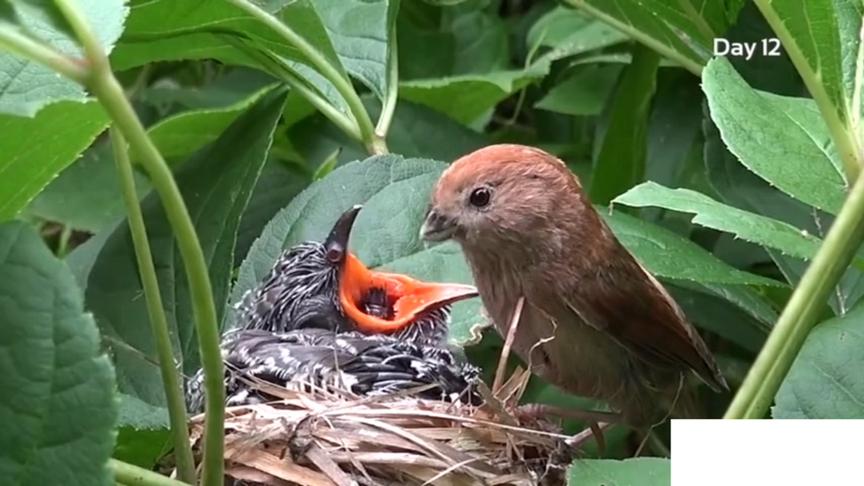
point(324, 285)
point(503, 197)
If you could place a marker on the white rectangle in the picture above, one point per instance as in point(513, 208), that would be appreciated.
point(767, 452)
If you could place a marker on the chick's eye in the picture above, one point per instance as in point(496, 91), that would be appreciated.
point(480, 197)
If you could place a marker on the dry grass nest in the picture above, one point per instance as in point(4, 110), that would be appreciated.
point(319, 438)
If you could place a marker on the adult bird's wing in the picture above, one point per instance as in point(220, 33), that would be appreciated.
point(622, 299)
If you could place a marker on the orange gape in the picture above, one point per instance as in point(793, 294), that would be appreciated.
point(409, 297)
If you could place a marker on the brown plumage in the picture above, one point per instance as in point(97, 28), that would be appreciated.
point(527, 229)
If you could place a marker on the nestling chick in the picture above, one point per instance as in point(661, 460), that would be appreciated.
point(321, 318)
point(350, 361)
point(323, 285)
point(527, 229)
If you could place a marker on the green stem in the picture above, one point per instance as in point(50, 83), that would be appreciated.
point(63, 241)
point(279, 67)
point(388, 107)
point(844, 138)
point(685, 62)
point(132, 475)
point(374, 144)
point(17, 43)
point(104, 85)
point(170, 376)
point(785, 341)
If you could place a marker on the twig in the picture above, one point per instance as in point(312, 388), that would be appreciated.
point(508, 343)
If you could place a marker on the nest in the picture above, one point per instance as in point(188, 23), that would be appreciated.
point(319, 438)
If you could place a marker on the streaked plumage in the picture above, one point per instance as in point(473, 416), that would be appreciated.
point(292, 329)
point(350, 361)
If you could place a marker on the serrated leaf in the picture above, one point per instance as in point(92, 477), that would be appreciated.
point(352, 35)
point(180, 135)
point(668, 255)
point(394, 193)
point(825, 380)
point(783, 140)
point(683, 31)
point(709, 213)
point(58, 417)
point(741, 188)
point(640, 471)
point(465, 98)
point(569, 31)
point(813, 32)
point(34, 150)
point(26, 86)
point(360, 31)
point(216, 184)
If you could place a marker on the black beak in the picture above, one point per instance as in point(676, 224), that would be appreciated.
point(336, 243)
point(437, 227)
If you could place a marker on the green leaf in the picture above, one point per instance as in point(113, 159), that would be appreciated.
point(216, 184)
point(583, 93)
point(734, 312)
point(86, 195)
point(164, 30)
point(25, 86)
point(417, 131)
point(569, 32)
point(59, 413)
point(640, 471)
point(437, 43)
point(709, 213)
point(360, 31)
point(276, 187)
point(620, 162)
point(352, 35)
point(740, 187)
point(783, 140)
point(813, 32)
point(34, 150)
point(180, 135)
point(683, 31)
point(668, 255)
point(466, 98)
point(394, 193)
point(825, 380)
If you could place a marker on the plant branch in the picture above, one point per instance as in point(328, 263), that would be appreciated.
point(159, 323)
point(373, 143)
point(132, 475)
point(388, 107)
point(785, 341)
point(279, 67)
point(105, 87)
point(17, 43)
point(844, 138)
point(685, 62)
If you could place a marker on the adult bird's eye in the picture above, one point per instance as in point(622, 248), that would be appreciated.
point(480, 197)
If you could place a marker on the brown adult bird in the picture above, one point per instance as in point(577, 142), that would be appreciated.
point(594, 321)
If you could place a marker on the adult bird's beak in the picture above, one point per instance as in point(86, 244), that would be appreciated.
point(437, 227)
point(407, 297)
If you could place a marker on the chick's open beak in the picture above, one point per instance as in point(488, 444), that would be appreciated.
point(336, 243)
point(409, 297)
point(437, 227)
point(406, 297)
